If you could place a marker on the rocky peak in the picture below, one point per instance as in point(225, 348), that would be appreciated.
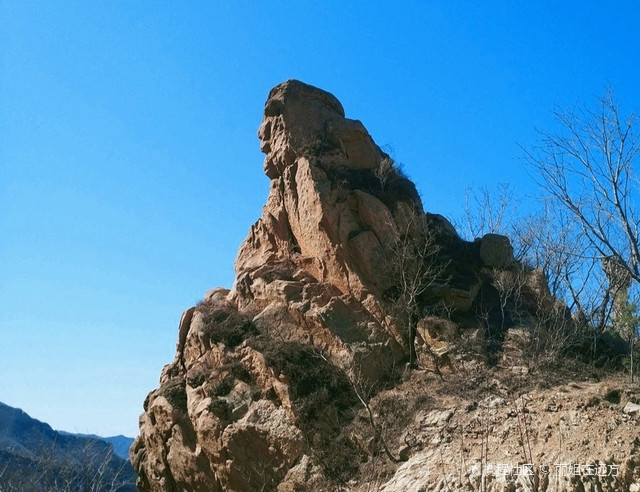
point(299, 118)
point(342, 281)
point(335, 200)
point(315, 292)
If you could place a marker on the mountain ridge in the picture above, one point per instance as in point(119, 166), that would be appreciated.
point(120, 443)
point(33, 454)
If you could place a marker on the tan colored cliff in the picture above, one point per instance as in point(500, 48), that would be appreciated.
point(271, 381)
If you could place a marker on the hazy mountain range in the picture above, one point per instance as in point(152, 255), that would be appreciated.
point(34, 456)
point(120, 443)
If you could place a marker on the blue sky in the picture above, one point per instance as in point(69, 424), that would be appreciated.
point(130, 169)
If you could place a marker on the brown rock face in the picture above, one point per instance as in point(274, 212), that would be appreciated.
point(496, 251)
point(266, 375)
point(299, 117)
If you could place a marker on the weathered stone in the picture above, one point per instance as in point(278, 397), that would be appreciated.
point(314, 286)
point(376, 217)
point(496, 251)
point(367, 252)
point(457, 298)
point(443, 226)
point(632, 409)
point(300, 119)
point(360, 151)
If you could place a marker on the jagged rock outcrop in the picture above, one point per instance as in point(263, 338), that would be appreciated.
point(342, 281)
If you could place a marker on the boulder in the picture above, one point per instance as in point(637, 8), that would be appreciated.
point(496, 251)
point(632, 409)
point(301, 119)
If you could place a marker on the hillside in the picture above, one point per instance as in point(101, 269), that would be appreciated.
point(365, 346)
point(33, 456)
point(121, 444)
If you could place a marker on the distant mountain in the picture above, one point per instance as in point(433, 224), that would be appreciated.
point(33, 456)
point(121, 444)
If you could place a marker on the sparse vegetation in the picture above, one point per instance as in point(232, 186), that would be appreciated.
point(223, 387)
point(627, 321)
point(388, 182)
point(220, 408)
point(225, 325)
point(175, 393)
point(585, 238)
point(92, 468)
point(507, 372)
point(324, 145)
point(198, 375)
point(390, 185)
point(413, 266)
point(323, 400)
point(587, 170)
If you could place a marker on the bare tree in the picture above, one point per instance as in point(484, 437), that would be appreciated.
point(488, 211)
point(413, 266)
point(550, 241)
point(627, 320)
point(363, 391)
point(93, 468)
point(385, 171)
point(587, 171)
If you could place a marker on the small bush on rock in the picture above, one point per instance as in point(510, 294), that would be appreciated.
point(222, 387)
point(223, 378)
point(389, 183)
point(226, 326)
point(175, 393)
point(220, 408)
point(323, 400)
point(198, 375)
point(238, 371)
point(325, 144)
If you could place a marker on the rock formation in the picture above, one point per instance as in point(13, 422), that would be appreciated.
point(341, 282)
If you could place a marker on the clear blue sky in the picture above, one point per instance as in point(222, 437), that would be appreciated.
point(130, 169)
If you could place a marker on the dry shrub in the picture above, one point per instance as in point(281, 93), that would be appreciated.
point(225, 325)
point(323, 400)
point(175, 392)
